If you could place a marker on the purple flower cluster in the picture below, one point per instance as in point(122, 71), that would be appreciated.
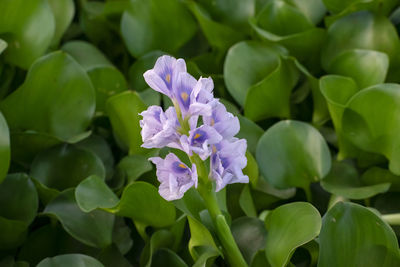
point(178, 127)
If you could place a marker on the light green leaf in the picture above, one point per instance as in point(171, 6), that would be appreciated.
point(123, 110)
point(63, 11)
point(290, 226)
point(57, 98)
point(156, 24)
point(28, 28)
point(352, 235)
point(293, 153)
point(371, 123)
point(3, 45)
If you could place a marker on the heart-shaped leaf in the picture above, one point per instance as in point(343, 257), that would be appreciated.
point(290, 226)
point(359, 236)
point(293, 153)
point(156, 24)
point(28, 28)
point(123, 110)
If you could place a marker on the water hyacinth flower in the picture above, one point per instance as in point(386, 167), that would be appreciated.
point(178, 127)
point(175, 177)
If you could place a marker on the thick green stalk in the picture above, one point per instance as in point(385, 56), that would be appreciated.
point(392, 219)
point(231, 250)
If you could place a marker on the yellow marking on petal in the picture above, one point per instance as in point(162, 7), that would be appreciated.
point(212, 122)
point(214, 149)
point(168, 78)
point(196, 136)
point(182, 165)
point(184, 96)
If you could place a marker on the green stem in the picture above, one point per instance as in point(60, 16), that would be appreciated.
point(231, 250)
point(392, 219)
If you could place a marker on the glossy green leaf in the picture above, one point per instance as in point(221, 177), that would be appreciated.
point(293, 153)
point(4, 148)
point(67, 260)
point(106, 79)
point(123, 110)
point(132, 167)
point(140, 201)
point(92, 193)
point(364, 126)
point(376, 175)
point(28, 28)
point(160, 239)
point(246, 64)
point(271, 96)
point(93, 229)
point(360, 30)
point(366, 67)
point(18, 207)
point(57, 98)
point(102, 149)
point(249, 234)
point(201, 242)
point(65, 166)
point(63, 11)
point(250, 131)
point(246, 202)
point(111, 256)
point(156, 24)
point(343, 180)
point(234, 13)
point(290, 226)
point(218, 35)
point(359, 236)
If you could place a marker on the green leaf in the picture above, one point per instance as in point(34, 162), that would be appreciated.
point(167, 258)
point(139, 67)
point(160, 239)
point(218, 35)
point(93, 229)
point(18, 207)
point(156, 24)
point(249, 131)
point(57, 98)
point(248, 63)
point(106, 79)
point(290, 226)
point(4, 148)
point(377, 175)
point(293, 153)
point(65, 166)
point(123, 110)
point(68, 260)
point(63, 11)
point(140, 201)
point(28, 28)
point(360, 30)
point(92, 193)
point(366, 67)
point(201, 242)
point(371, 123)
point(271, 96)
point(100, 147)
point(249, 234)
point(343, 180)
point(352, 235)
point(132, 167)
